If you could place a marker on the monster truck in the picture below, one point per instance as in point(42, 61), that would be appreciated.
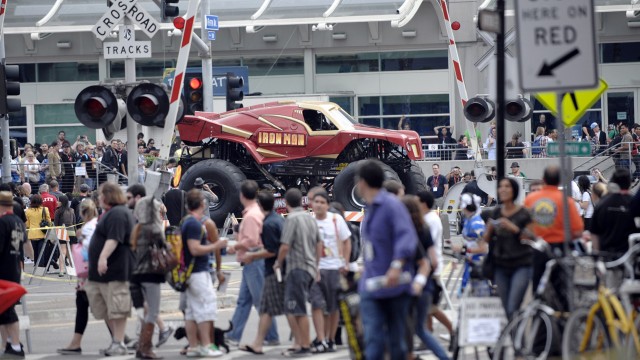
point(290, 144)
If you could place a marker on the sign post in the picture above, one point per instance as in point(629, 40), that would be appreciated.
point(557, 52)
point(4, 128)
point(128, 49)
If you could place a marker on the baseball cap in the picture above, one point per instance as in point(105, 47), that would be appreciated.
point(515, 164)
point(593, 125)
point(84, 188)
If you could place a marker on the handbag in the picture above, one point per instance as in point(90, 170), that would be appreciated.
point(44, 222)
point(162, 259)
point(82, 266)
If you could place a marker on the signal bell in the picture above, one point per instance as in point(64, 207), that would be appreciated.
point(148, 105)
point(479, 109)
point(98, 108)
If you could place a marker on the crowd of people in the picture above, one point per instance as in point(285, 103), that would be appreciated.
point(38, 164)
point(305, 258)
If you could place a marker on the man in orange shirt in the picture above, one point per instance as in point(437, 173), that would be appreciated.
point(546, 210)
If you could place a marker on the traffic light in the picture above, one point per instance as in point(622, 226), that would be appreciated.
point(234, 91)
point(98, 108)
point(9, 86)
point(519, 110)
point(479, 109)
point(13, 148)
point(167, 10)
point(193, 93)
point(148, 105)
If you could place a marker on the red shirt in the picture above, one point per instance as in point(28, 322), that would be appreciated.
point(50, 202)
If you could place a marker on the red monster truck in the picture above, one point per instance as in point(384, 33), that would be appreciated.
point(290, 144)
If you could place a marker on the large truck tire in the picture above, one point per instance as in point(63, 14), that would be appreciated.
point(413, 180)
point(344, 186)
point(224, 179)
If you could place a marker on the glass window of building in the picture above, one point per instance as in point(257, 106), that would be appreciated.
point(414, 60)
point(67, 71)
point(18, 126)
point(620, 52)
point(144, 68)
point(345, 102)
point(50, 119)
point(274, 65)
point(422, 112)
point(347, 63)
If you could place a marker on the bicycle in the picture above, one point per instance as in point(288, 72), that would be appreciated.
point(533, 333)
point(602, 325)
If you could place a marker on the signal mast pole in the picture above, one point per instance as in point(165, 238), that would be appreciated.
point(4, 130)
point(132, 129)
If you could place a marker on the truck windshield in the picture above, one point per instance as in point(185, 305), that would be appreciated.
point(342, 117)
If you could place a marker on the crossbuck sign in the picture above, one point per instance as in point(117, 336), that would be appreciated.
point(118, 10)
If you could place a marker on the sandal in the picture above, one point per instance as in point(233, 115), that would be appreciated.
point(249, 349)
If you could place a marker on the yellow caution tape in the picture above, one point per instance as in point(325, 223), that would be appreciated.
point(47, 278)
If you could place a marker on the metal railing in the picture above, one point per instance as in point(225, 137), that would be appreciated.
point(91, 173)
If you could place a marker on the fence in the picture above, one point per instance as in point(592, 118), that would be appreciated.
point(453, 152)
point(74, 174)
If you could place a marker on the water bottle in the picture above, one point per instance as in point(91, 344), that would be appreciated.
point(379, 282)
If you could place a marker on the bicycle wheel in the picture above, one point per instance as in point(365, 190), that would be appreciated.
point(631, 350)
point(575, 334)
point(530, 337)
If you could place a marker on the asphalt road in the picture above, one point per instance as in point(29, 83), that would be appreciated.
point(51, 312)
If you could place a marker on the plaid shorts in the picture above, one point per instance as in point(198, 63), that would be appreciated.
point(272, 301)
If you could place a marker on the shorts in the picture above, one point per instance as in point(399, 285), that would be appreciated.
point(110, 300)
point(324, 294)
point(436, 296)
point(9, 316)
point(296, 292)
point(202, 304)
point(272, 301)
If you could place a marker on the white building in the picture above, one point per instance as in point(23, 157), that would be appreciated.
point(380, 60)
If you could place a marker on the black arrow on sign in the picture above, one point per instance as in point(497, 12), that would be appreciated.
point(547, 69)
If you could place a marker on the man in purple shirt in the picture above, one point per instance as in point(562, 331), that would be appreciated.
point(389, 243)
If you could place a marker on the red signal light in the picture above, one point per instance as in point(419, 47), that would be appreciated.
point(96, 107)
point(195, 83)
point(148, 105)
point(179, 22)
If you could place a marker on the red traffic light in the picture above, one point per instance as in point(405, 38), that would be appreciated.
point(195, 83)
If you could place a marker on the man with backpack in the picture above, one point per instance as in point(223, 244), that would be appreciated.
point(201, 310)
point(334, 259)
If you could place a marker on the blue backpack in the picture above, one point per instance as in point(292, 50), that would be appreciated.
point(536, 148)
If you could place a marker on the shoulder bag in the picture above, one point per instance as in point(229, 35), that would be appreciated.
point(44, 222)
point(488, 266)
point(163, 259)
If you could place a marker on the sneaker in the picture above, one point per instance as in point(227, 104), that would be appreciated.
point(271, 343)
point(318, 347)
point(210, 351)
point(62, 274)
point(116, 349)
point(28, 261)
point(132, 344)
point(164, 336)
point(331, 346)
point(193, 353)
point(445, 337)
point(9, 353)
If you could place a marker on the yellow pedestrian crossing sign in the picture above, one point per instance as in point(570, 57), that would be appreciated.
point(574, 104)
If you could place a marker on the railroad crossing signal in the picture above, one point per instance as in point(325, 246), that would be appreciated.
point(234, 91)
point(117, 12)
point(169, 11)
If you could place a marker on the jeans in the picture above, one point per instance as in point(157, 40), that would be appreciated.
point(424, 301)
point(512, 284)
point(624, 164)
point(250, 294)
point(383, 322)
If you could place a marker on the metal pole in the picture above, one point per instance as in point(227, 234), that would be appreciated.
point(500, 156)
point(565, 175)
point(207, 63)
point(4, 130)
point(132, 141)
